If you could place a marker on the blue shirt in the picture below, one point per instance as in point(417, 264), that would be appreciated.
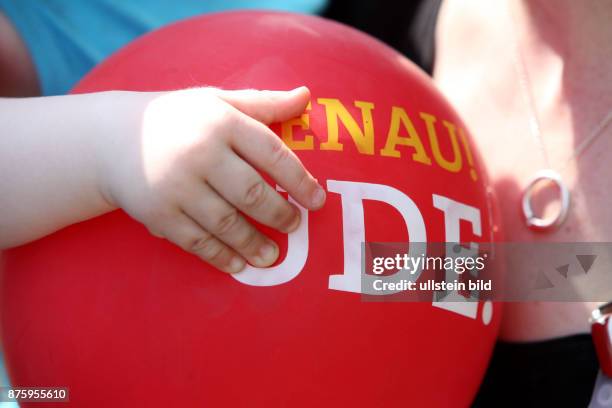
point(66, 38)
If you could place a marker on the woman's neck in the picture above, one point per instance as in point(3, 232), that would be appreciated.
point(566, 48)
point(578, 32)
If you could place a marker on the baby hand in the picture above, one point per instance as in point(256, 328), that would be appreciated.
point(186, 168)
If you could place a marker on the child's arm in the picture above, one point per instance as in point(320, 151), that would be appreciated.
point(182, 163)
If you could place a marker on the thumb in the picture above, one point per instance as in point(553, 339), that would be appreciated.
point(268, 106)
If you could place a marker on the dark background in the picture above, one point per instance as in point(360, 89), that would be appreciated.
point(408, 26)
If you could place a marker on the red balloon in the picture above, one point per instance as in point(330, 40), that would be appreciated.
point(126, 319)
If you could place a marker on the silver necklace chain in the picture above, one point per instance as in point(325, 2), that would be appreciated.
point(534, 123)
point(547, 174)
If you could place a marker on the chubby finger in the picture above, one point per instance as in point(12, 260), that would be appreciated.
point(268, 106)
point(261, 147)
point(221, 219)
point(243, 187)
point(188, 235)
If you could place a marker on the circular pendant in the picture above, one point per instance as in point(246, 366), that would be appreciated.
point(536, 222)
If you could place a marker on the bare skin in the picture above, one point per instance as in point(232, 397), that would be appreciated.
point(568, 55)
point(183, 163)
point(17, 72)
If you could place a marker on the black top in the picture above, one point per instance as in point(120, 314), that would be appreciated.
point(555, 373)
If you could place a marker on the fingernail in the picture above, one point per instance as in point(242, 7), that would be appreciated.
point(236, 265)
point(267, 254)
point(295, 222)
point(318, 197)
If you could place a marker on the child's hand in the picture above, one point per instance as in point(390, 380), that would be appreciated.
point(188, 168)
